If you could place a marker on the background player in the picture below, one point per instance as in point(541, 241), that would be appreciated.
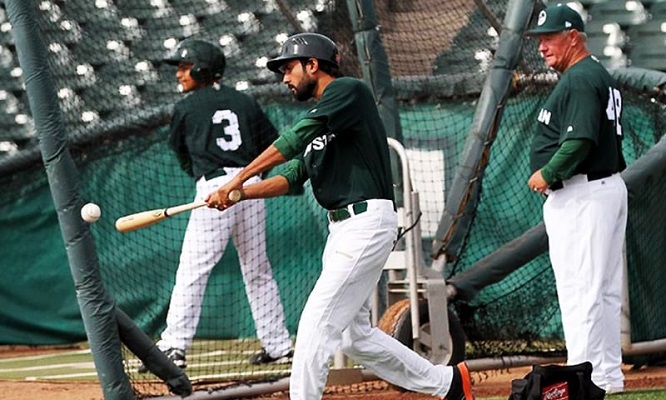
point(576, 156)
point(215, 131)
point(341, 146)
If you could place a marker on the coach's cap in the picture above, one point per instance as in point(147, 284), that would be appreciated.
point(556, 18)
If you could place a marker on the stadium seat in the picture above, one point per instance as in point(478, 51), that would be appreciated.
point(10, 79)
point(606, 40)
point(248, 24)
point(588, 3)
point(648, 53)
point(90, 12)
point(6, 58)
point(150, 48)
point(643, 35)
point(9, 103)
point(653, 29)
point(65, 31)
point(110, 96)
point(623, 12)
point(608, 33)
point(144, 9)
point(132, 71)
point(6, 37)
point(72, 107)
point(98, 50)
point(648, 3)
point(18, 134)
point(178, 26)
point(161, 92)
point(657, 9)
point(221, 25)
point(124, 29)
point(75, 76)
point(200, 8)
point(276, 24)
point(613, 57)
point(12, 109)
point(260, 45)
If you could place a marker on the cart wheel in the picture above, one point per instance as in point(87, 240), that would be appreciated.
point(397, 322)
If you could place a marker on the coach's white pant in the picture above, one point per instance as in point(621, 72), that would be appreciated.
point(337, 312)
point(207, 234)
point(586, 223)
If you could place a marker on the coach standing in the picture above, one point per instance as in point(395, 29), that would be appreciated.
point(341, 146)
point(575, 159)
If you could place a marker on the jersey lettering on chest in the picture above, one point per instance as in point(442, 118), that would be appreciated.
point(544, 116)
point(319, 143)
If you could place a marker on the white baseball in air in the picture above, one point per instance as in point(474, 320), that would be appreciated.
point(91, 212)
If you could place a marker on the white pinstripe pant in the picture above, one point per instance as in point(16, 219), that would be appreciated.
point(207, 234)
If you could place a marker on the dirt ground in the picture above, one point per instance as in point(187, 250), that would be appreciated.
point(495, 383)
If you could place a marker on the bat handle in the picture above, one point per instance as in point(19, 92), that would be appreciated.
point(235, 195)
point(168, 212)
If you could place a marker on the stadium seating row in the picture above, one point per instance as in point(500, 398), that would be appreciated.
point(106, 53)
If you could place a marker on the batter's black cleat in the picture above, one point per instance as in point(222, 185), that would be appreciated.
point(461, 384)
point(264, 358)
point(177, 356)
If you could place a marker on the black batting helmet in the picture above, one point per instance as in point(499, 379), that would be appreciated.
point(306, 45)
point(207, 59)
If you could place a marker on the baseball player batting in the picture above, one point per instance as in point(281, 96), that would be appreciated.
point(340, 145)
point(215, 131)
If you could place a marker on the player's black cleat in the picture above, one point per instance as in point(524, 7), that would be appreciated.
point(264, 358)
point(177, 356)
point(461, 384)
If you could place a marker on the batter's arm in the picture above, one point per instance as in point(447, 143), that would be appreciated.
point(269, 158)
point(272, 187)
point(287, 146)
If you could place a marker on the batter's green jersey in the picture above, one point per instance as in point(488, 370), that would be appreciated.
point(345, 155)
point(585, 104)
point(217, 126)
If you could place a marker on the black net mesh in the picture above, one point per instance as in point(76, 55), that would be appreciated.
point(116, 99)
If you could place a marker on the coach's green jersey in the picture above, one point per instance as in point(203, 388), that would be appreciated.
point(585, 104)
point(342, 149)
point(217, 126)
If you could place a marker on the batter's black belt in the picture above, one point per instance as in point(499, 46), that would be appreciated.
point(344, 213)
point(593, 176)
point(215, 174)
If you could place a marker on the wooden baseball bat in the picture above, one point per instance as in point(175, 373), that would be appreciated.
point(146, 218)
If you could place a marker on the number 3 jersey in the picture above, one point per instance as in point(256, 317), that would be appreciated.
point(585, 104)
point(217, 126)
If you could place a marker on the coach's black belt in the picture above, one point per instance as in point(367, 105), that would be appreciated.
point(342, 214)
point(590, 177)
point(215, 174)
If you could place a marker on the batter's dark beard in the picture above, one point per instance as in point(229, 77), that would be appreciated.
point(305, 89)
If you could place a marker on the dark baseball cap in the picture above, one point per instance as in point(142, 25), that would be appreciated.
point(556, 18)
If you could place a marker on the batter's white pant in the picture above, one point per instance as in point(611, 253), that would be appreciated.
point(207, 234)
point(337, 312)
point(586, 223)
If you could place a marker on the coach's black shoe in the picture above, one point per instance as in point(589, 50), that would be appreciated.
point(177, 356)
point(461, 384)
point(264, 358)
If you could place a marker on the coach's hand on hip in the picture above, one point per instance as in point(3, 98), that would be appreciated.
point(537, 183)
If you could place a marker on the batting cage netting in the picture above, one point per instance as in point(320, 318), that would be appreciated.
point(116, 98)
